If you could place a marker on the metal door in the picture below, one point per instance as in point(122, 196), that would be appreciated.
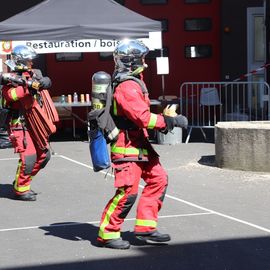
point(256, 55)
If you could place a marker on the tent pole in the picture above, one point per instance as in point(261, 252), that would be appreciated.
point(163, 86)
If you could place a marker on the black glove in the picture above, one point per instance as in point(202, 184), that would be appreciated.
point(177, 121)
point(45, 82)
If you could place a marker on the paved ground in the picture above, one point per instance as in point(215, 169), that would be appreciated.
point(218, 219)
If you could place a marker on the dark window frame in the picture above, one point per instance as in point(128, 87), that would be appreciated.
point(199, 19)
point(198, 2)
point(152, 2)
point(106, 56)
point(69, 57)
point(200, 46)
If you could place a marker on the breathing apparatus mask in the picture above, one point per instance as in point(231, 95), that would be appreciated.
point(21, 61)
point(129, 57)
point(21, 58)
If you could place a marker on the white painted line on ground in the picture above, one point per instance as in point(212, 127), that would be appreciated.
point(16, 158)
point(77, 162)
point(192, 204)
point(7, 159)
point(92, 222)
point(220, 214)
point(184, 215)
point(45, 226)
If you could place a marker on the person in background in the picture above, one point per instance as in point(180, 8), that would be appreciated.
point(18, 94)
point(132, 155)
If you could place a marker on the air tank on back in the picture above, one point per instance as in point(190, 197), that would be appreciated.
point(100, 82)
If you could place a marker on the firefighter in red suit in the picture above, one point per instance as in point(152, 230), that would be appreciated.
point(16, 98)
point(132, 155)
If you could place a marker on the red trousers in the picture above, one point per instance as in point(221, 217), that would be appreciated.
point(32, 159)
point(127, 178)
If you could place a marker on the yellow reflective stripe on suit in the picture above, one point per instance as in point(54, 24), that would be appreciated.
point(14, 94)
point(15, 121)
point(114, 107)
point(146, 223)
point(110, 235)
point(23, 188)
point(152, 121)
point(128, 151)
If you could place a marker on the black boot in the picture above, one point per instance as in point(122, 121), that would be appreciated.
point(31, 191)
point(118, 243)
point(28, 196)
point(153, 237)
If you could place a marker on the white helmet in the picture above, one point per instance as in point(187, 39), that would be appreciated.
point(129, 57)
point(21, 54)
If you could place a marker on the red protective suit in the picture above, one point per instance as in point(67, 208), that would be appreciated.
point(32, 158)
point(134, 158)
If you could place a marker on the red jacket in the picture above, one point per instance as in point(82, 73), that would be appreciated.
point(131, 103)
point(17, 97)
point(23, 103)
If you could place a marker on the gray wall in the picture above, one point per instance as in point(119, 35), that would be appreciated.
point(234, 43)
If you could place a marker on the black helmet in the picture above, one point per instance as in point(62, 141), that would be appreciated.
point(129, 57)
point(21, 54)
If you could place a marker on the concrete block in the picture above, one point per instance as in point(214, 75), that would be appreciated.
point(243, 145)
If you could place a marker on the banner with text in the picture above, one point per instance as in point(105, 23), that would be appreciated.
point(82, 45)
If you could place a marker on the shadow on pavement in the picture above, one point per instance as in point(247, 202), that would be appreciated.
point(233, 254)
point(6, 191)
point(209, 160)
point(74, 231)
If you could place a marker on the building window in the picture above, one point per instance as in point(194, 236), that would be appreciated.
point(153, 2)
point(157, 53)
point(106, 56)
point(259, 41)
point(198, 51)
point(198, 24)
point(197, 1)
point(69, 57)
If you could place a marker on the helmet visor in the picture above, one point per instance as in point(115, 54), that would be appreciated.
point(130, 54)
point(23, 54)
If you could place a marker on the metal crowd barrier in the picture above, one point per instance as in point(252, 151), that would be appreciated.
point(206, 103)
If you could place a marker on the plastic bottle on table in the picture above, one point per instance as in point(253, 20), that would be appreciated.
point(87, 98)
point(75, 97)
point(82, 98)
point(69, 99)
point(63, 98)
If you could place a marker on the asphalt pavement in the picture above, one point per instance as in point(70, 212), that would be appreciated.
point(217, 218)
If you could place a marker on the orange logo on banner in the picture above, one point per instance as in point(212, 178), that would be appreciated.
point(7, 46)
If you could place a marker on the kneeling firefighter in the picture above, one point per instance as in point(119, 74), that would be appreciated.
point(132, 155)
point(28, 125)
